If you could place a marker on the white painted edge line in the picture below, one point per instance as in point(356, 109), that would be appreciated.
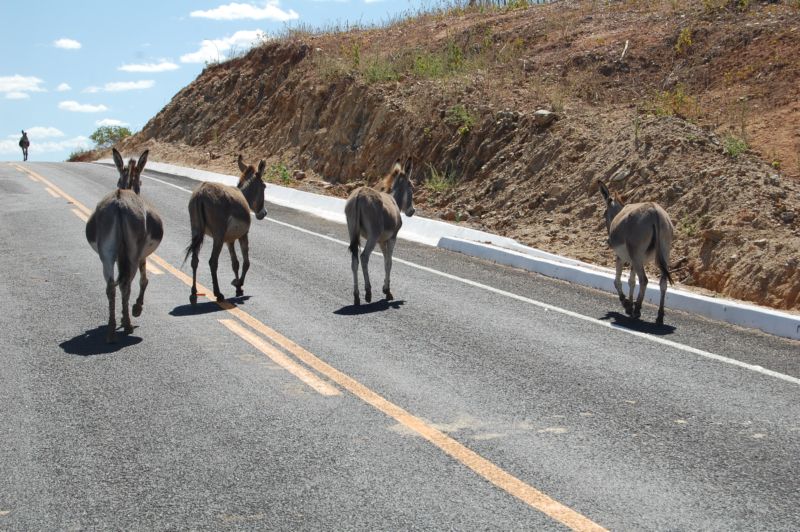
point(509, 252)
point(767, 320)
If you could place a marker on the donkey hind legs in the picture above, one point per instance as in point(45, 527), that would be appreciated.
point(663, 286)
point(137, 307)
point(387, 248)
point(369, 245)
point(238, 282)
point(212, 263)
point(111, 331)
point(354, 267)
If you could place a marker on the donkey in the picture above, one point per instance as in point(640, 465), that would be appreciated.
point(24, 143)
point(125, 229)
point(375, 215)
point(638, 233)
point(223, 213)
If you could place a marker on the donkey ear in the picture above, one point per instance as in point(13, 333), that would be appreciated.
point(409, 168)
point(240, 162)
point(118, 162)
point(604, 191)
point(262, 165)
point(142, 161)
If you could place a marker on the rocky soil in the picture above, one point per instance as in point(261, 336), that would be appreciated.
point(701, 114)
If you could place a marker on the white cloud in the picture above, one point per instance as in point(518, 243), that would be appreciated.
point(19, 84)
point(234, 11)
point(67, 44)
point(40, 132)
point(71, 105)
point(119, 86)
point(63, 87)
point(111, 122)
point(214, 49)
point(80, 142)
point(17, 95)
point(161, 66)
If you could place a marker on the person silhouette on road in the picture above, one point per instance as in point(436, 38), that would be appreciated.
point(24, 143)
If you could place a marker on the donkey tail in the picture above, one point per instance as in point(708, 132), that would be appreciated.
point(353, 214)
point(198, 222)
point(661, 259)
point(124, 270)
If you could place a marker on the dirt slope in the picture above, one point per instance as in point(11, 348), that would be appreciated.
point(701, 114)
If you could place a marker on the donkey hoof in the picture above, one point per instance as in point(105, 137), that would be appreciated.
point(388, 295)
point(137, 310)
point(239, 292)
point(356, 301)
point(368, 297)
point(220, 298)
point(193, 299)
point(660, 319)
point(128, 329)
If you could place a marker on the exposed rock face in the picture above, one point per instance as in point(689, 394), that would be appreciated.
point(515, 171)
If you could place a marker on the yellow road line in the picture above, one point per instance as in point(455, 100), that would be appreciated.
point(63, 194)
point(480, 465)
point(483, 467)
point(282, 360)
point(152, 269)
point(80, 215)
point(52, 192)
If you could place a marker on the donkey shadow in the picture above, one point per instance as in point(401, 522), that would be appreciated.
point(206, 307)
point(369, 308)
point(93, 342)
point(624, 321)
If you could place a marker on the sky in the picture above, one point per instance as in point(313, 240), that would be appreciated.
point(69, 67)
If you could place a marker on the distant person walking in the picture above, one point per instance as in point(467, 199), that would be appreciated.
point(24, 143)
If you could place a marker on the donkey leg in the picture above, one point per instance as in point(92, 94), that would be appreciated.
point(244, 244)
point(235, 265)
point(354, 267)
point(125, 290)
point(387, 248)
point(637, 307)
point(212, 263)
point(618, 286)
point(663, 286)
point(111, 292)
point(369, 245)
point(195, 262)
point(137, 307)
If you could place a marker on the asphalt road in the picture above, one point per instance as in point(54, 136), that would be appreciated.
point(483, 398)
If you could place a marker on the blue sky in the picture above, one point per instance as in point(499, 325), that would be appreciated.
point(69, 67)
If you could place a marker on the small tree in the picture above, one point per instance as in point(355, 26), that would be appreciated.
point(105, 136)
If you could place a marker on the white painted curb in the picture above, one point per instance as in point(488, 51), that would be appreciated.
point(509, 252)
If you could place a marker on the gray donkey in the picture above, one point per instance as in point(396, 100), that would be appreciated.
point(638, 233)
point(24, 143)
point(125, 229)
point(375, 215)
point(223, 213)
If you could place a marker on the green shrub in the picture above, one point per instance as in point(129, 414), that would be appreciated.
point(459, 116)
point(734, 146)
point(105, 136)
point(439, 181)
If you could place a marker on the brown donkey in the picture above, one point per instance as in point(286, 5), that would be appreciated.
point(375, 215)
point(223, 213)
point(638, 233)
point(124, 229)
point(24, 143)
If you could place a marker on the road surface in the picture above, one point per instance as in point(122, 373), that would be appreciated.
point(482, 398)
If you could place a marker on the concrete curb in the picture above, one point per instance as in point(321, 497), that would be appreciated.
point(509, 252)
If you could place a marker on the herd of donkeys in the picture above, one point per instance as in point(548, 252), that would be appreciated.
point(124, 229)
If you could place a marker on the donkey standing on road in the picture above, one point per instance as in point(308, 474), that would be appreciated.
point(223, 213)
point(375, 215)
point(24, 143)
point(124, 229)
point(638, 233)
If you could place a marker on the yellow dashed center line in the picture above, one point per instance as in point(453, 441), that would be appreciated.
point(80, 215)
point(282, 360)
point(480, 465)
point(52, 192)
